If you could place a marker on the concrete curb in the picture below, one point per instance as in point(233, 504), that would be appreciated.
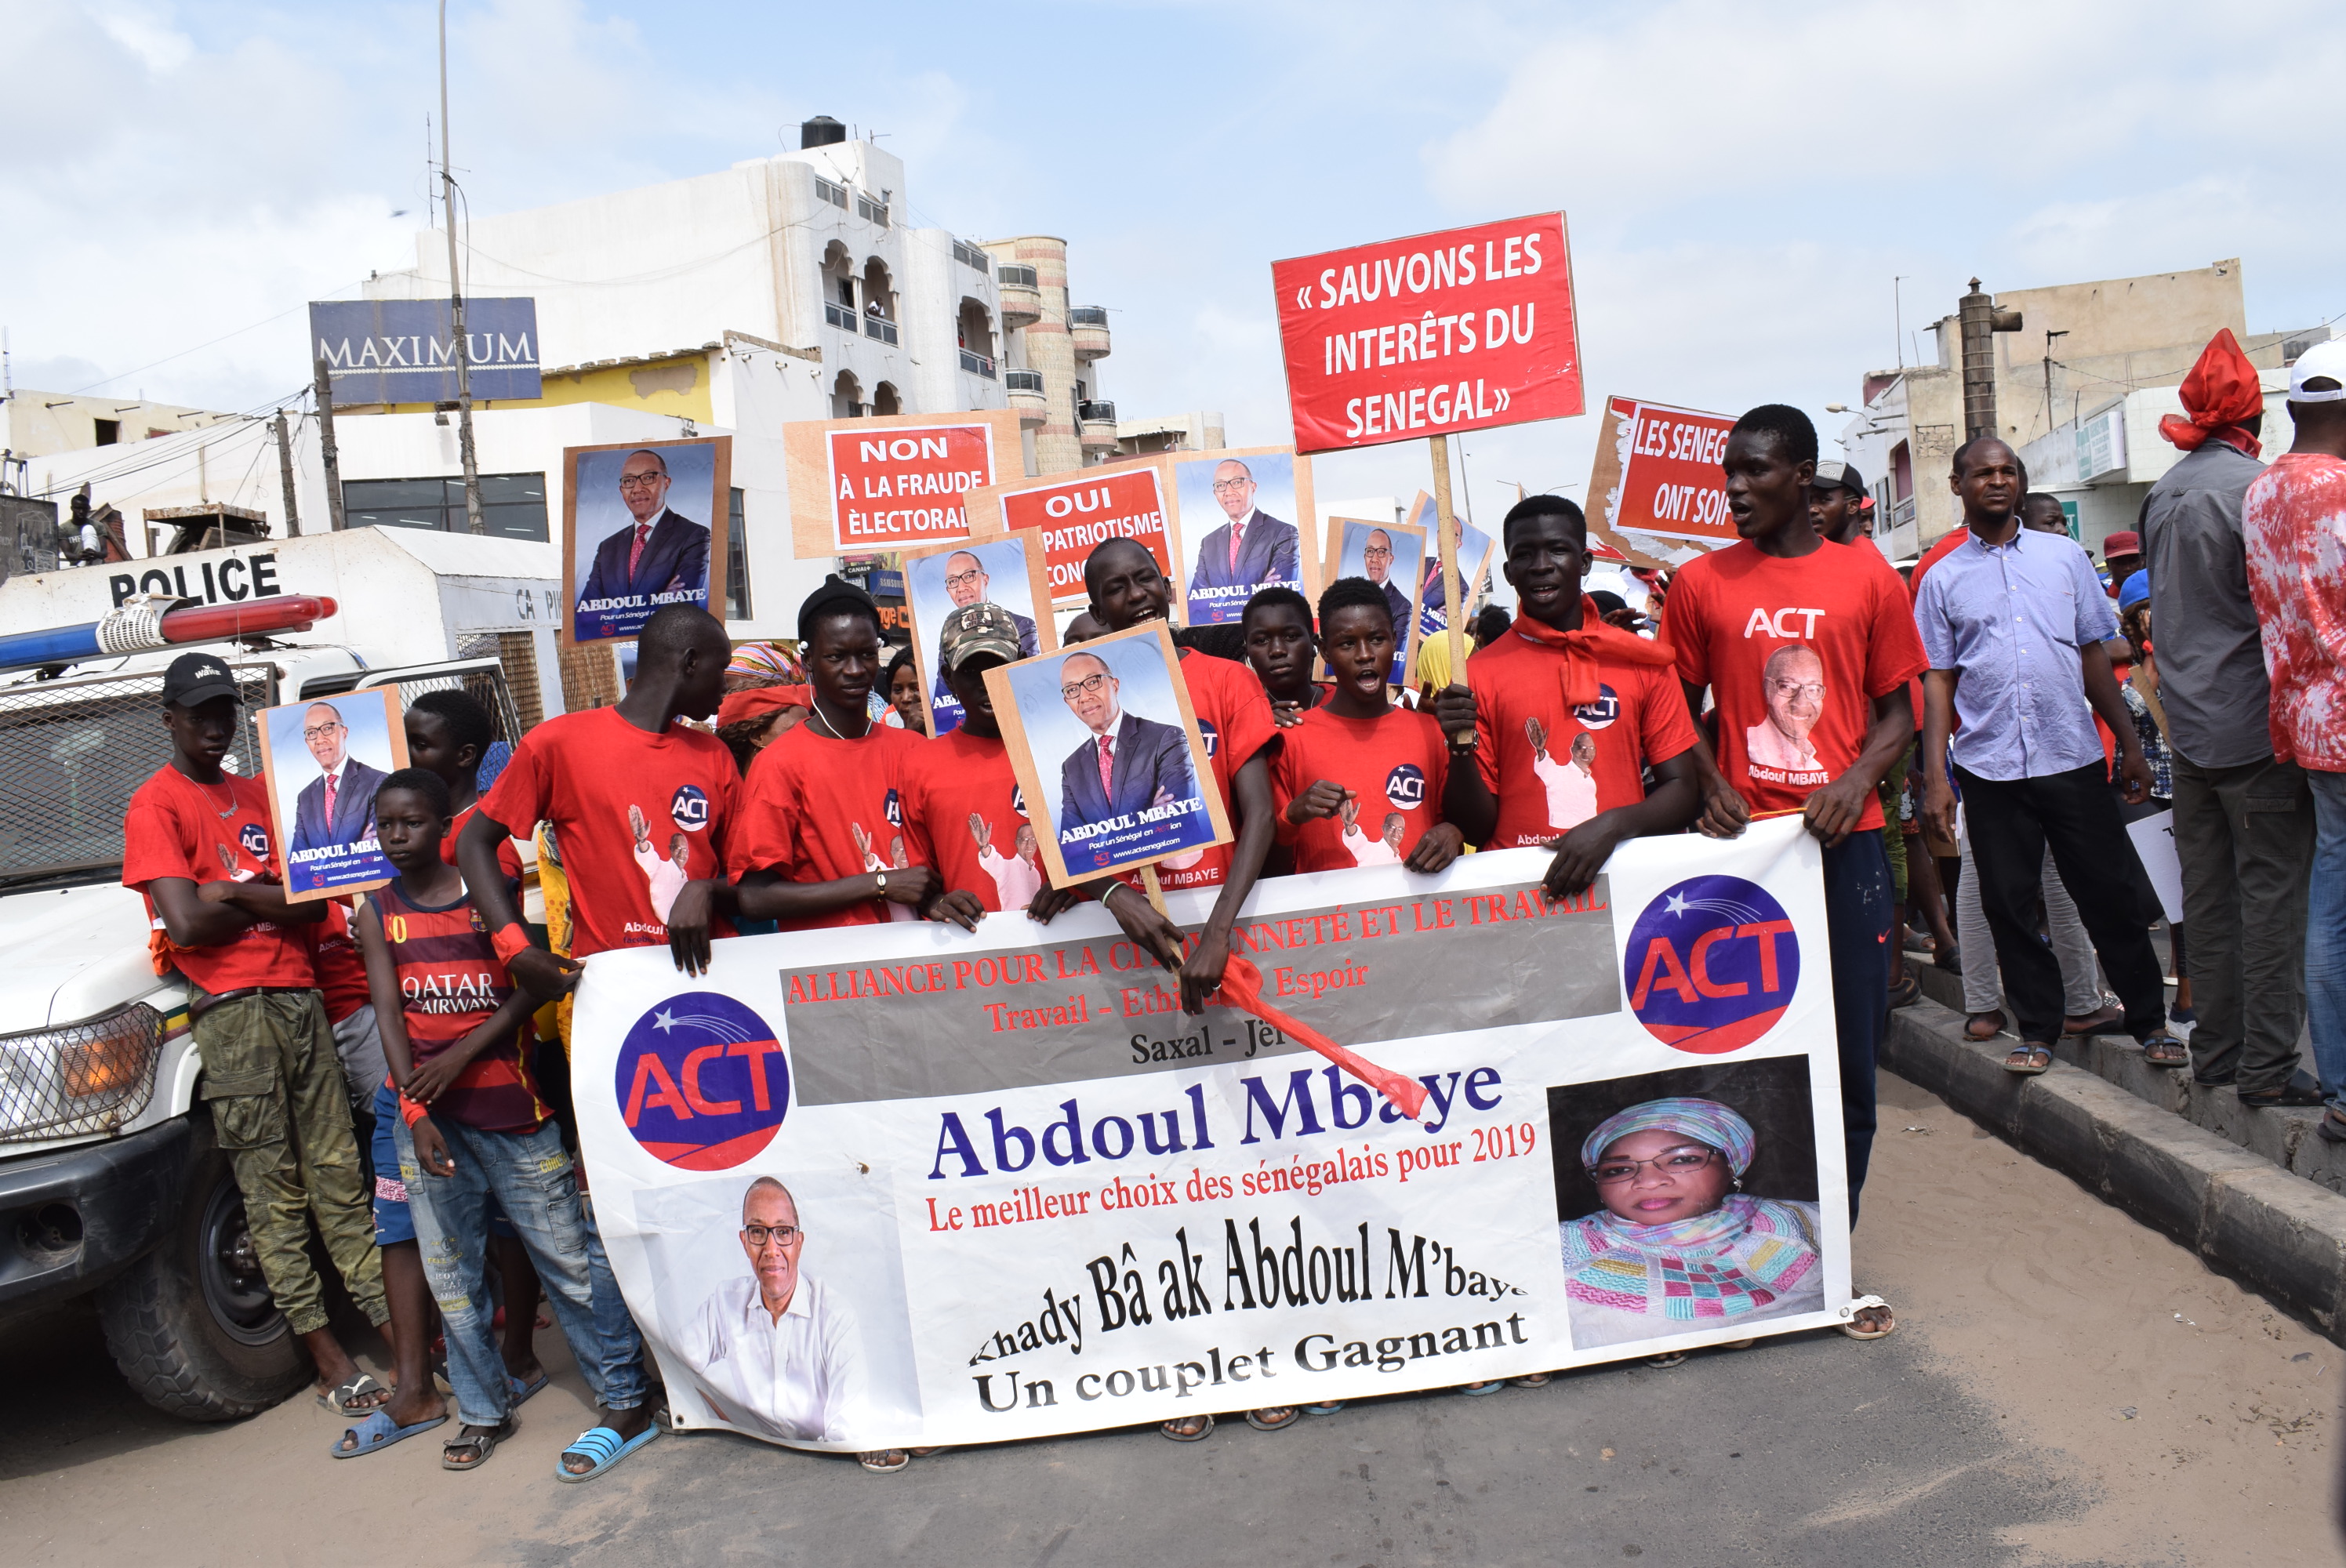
point(2282, 1233)
point(2285, 1137)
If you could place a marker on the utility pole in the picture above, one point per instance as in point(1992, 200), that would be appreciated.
point(2049, 336)
point(328, 458)
point(285, 476)
point(1898, 316)
point(472, 523)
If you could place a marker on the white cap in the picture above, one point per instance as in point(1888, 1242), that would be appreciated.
point(2325, 359)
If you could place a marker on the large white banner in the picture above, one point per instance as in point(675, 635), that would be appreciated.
point(902, 1186)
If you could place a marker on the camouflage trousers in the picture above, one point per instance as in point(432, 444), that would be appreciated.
point(283, 1115)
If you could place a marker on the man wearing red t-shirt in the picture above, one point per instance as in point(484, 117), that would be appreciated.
point(1234, 715)
point(1807, 648)
point(1568, 713)
point(1280, 645)
point(962, 811)
point(1358, 782)
point(643, 807)
point(821, 841)
point(196, 842)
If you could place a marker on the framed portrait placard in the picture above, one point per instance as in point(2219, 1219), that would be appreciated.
point(1076, 514)
point(1393, 557)
point(643, 526)
point(1005, 570)
point(322, 762)
point(1236, 511)
point(1107, 752)
point(1478, 553)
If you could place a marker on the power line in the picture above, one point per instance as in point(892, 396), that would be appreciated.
point(224, 337)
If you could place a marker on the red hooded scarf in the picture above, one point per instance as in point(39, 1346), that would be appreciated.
point(1581, 648)
point(2219, 394)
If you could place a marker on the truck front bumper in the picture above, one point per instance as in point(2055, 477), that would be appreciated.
point(71, 1220)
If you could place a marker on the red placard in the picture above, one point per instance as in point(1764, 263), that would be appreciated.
point(1463, 329)
point(1668, 482)
point(1076, 516)
point(895, 485)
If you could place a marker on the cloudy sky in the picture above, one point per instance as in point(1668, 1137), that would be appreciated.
point(1743, 183)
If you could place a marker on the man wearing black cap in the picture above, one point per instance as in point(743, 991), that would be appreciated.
point(196, 843)
point(1838, 505)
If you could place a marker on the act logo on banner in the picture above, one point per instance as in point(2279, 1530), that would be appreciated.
point(702, 1082)
point(1711, 964)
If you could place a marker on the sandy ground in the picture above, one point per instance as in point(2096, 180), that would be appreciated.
point(2067, 1387)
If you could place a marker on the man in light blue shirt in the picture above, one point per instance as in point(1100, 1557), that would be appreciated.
point(2014, 623)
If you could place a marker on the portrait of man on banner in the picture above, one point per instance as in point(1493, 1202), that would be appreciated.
point(1104, 738)
point(939, 581)
point(641, 525)
point(1475, 551)
point(1236, 537)
point(770, 1342)
point(324, 761)
point(1390, 555)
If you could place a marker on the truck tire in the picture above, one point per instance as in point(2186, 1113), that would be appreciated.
point(191, 1324)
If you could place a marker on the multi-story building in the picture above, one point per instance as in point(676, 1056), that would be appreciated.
point(2026, 363)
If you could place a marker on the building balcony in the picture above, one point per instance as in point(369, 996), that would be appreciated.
point(881, 328)
point(840, 316)
point(1095, 426)
point(977, 364)
point(1021, 293)
point(1025, 393)
point(1088, 329)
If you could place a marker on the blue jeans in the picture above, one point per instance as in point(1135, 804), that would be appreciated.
point(528, 1175)
point(621, 1375)
point(1857, 930)
point(2325, 936)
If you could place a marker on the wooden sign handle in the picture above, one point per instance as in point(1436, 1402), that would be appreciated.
point(1156, 891)
point(1454, 612)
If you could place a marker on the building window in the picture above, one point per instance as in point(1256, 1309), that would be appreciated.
point(109, 431)
point(826, 191)
point(513, 505)
point(737, 561)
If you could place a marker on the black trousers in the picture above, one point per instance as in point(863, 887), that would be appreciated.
point(2012, 823)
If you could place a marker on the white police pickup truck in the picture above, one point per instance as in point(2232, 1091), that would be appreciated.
point(110, 1178)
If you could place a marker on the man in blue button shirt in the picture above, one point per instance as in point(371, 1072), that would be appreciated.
point(2013, 622)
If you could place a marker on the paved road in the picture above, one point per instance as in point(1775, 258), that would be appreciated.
point(2068, 1388)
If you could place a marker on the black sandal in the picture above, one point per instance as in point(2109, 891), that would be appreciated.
point(2164, 1050)
point(481, 1440)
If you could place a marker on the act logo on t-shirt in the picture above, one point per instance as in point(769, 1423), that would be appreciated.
point(1018, 799)
point(255, 839)
point(894, 810)
point(690, 809)
point(1405, 786)
point(702, 1082)
point(1212, 738)
point(1600, 714)
point(1711, 964)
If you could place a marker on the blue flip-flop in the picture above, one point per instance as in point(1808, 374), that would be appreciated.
point(379, 1431)
point(605, 1447)
point(521, 1391)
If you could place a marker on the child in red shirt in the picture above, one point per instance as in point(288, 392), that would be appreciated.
point(471, 1129)
point(1358, 782)
point(1569, 714)
point(1280, 645)
point(821, 841)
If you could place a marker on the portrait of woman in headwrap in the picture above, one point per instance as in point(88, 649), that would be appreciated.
point(1678, 1246)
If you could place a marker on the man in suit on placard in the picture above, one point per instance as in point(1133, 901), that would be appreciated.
point(966, 581)
point(1128, 764)
point(338, 806)
point(1377, 561)
point(1250, 551)
point(660, 552)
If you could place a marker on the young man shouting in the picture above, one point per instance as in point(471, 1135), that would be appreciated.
point(1358, 782)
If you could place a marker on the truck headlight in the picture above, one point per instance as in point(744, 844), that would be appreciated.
point(88, 1078)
